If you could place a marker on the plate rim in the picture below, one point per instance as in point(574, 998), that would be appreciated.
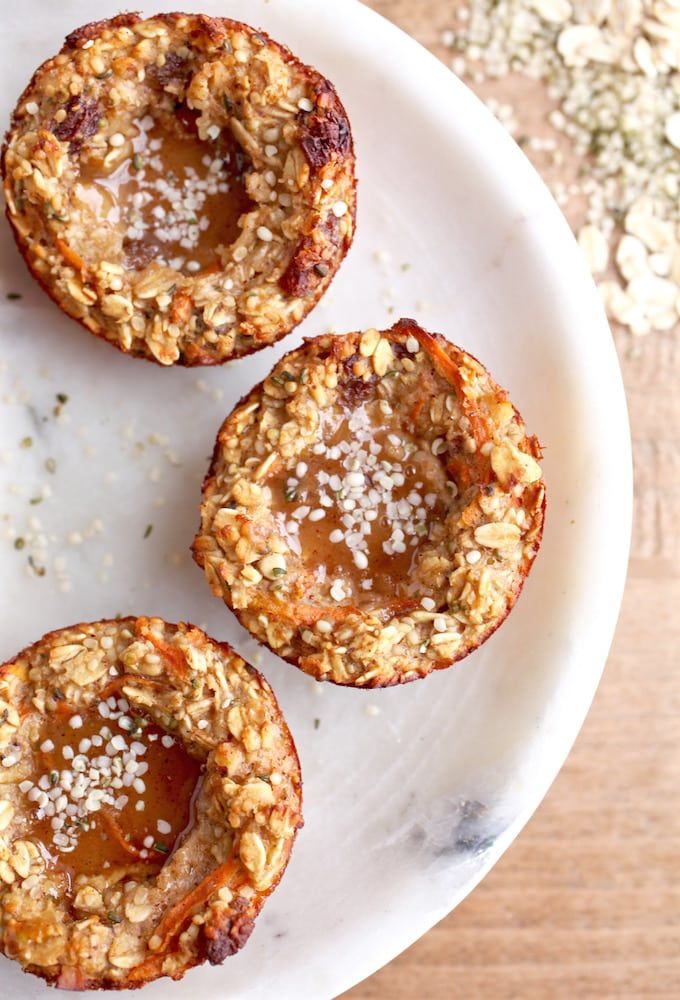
point(346, 975)
point(433, 65)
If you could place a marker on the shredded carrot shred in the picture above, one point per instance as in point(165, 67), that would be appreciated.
point(417, 408)
point(466, 472)
point(450, 372)
point(150, 968)
point(117, 834)
point(473, 470)
point(173, 656)
point(309, 614)
point(174, 919)
point(71, 257)
point(119, 682)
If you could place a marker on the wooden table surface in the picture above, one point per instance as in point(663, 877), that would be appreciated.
point(586, 904)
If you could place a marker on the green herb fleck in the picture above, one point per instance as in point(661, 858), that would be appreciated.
point(288, 377)
point(13, 296)
point(34, 501)
point(137, 727)
point(276, 380)
point(38, 570)
point(50, 465)
point(54, 778)
point(137, 162)
point(27, 442)
point(62, 399)
point(317, 723)
point(161, 847)
point(113, 918)
point(148, 530)
point(52, 214)
point(290, 495)
point(19, 543)
point(278, 571)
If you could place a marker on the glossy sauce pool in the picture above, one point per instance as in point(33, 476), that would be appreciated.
point(176, 198)
point(123, 833)
point(372, 479)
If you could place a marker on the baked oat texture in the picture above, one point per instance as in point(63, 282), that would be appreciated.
point(79, 110)
point(472, 562)
point(120, 929)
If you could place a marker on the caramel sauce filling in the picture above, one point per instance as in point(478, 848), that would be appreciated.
point(358, 512)
point(119, 833)
point(176, 198)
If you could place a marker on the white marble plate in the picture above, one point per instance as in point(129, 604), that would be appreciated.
point(410, 795)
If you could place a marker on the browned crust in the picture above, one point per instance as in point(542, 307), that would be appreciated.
point(329, 136)
point(441, 345)
point(216, 943)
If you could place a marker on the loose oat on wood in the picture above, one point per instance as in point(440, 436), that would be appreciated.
point(611, 70)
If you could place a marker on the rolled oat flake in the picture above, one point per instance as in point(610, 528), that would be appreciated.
point(609, 73)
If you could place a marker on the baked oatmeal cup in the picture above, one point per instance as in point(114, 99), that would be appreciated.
point(373, 507)
point(183, 185)
point(150, 794)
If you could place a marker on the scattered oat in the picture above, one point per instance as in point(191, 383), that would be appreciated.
point(612, 71)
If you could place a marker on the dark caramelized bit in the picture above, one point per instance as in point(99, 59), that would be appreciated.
point(175, 70)
point(80, 36)
point(312, 259)
point(81, 122)
point(228, 939)
point(324, 134)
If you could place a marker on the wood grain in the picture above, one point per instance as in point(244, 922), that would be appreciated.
point(586, 903)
